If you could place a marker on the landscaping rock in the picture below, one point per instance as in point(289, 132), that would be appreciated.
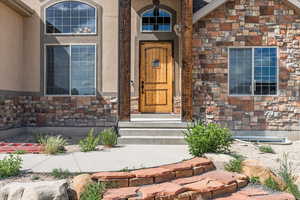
point(219, 160)
point(254, 168)
point(54, 190)
point(79, 183)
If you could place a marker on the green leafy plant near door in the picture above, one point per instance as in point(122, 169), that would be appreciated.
point(208, 138)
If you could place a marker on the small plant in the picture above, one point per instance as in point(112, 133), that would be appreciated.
point(53, 144)
point(10, 166)
point(35, 178)
point(126, 169)
point(93, 191)
point(210, 138)
point(89, 143)
point(286, 172)
point(266, 149)
point(254, 180)
point(234, 165)
point(60, 173)
point(38, 136)
point(109, 138)
point(20, 152)
point(272, 184)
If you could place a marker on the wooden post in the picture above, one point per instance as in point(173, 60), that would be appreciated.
point(187, 59)
point(124, 59)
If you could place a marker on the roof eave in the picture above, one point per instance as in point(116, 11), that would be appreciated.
point(207, 9)
point(19, 6)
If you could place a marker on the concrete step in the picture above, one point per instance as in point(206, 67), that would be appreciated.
point(151, 132)
point(152, 140)
point(153, 124)
point(155, 118)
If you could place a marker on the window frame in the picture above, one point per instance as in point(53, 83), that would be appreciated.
point(145, 31)
point(253, 72)
point(70, 34)
point(70, 72)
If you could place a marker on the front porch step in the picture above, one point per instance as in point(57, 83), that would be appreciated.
point(155, 117)
point(153, 124)
point(152, 140)
point(152, 132)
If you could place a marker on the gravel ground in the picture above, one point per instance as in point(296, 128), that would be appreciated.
point(252, 152)
point(28, 177)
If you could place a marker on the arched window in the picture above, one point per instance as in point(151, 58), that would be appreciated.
point(156, 21)
point(71, 17)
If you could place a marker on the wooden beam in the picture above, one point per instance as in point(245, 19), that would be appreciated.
point(124, 59)
point(187, 57)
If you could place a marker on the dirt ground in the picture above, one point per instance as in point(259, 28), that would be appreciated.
point(251, 151)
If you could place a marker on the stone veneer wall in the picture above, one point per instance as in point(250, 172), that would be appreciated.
point(10, 112)
point(36, 111)
point(247, 23)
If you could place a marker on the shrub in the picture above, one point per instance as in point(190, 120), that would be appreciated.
point(234, 165)
point(89, 143)
point(10, 166)
point(93, 191)
point(109, 138)
point(286, 172)
point(60, 173)
point(266, 149)
point(210, 138)
point(53, 144)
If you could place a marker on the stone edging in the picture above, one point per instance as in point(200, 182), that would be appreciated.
point(160, 174)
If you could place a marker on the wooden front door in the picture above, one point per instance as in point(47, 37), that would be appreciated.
point(156, 77)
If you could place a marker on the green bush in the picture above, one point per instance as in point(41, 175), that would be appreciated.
point(234, 165)
point(53, 144)
point(266, 149)
point(89, 143)
point(93, 191)
point(10, 166)
point(60, 173)
point(109, 138)
point(210, 138)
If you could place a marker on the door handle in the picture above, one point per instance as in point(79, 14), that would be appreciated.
point(143, 87)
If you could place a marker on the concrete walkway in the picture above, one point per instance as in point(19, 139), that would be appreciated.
point(131, 156)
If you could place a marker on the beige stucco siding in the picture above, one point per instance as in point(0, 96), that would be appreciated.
point(31, 74)
point(26, 45)
point(11, 49)
point(108, 75)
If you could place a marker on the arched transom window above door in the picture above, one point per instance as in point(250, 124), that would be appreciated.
point(71, 17)
point(156, 21)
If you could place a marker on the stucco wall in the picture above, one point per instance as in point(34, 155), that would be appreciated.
point(247, 23)
point(109, 60)
point(11, 49)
